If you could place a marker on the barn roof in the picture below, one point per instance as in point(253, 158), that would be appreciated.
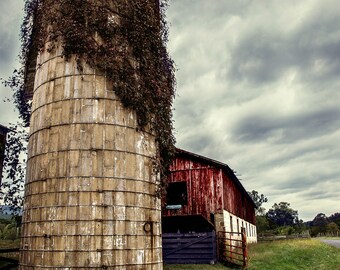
point(4, 129)
point(227, 170)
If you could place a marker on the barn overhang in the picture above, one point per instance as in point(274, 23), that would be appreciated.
point(186, 223)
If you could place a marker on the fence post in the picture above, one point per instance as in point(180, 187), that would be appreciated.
point(230, 247)
point(220, 245)
point(244, 249)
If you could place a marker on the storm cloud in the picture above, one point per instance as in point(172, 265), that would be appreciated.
point(258, 89)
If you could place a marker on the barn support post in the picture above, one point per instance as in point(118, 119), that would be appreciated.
point(91, 191)
point(219, 227)
point(244, 248)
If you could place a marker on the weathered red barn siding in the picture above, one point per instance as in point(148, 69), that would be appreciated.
point(211, 188)
point(235, 200)
point(204, 186)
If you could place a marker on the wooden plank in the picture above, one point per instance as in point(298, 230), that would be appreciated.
point(189, 248)
point(197, 252)
point(185, 241)
point(185, 246)
point(195, 247)
point(189, 261)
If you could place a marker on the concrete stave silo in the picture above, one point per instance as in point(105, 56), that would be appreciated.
point(91, 190)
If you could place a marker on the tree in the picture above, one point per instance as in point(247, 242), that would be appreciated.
point(332, 228)
point(335, 218)
point(262, 224)
point(320, 222)
point(9, 229)
point(12, 186)
point(283, 215)
point(258, 200)
point(300, 227)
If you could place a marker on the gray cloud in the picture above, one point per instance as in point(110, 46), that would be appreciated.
point(9, 32)
point(258, 89)
point(10, 21)
point(289, 128)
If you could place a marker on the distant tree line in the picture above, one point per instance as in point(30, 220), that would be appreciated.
point(281, 219)
point(323, 225)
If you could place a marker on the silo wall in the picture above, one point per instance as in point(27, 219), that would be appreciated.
point(91, 192)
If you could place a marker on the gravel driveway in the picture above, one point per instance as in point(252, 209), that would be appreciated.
point(335, 243)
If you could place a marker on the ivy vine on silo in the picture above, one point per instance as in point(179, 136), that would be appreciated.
point(124, 39)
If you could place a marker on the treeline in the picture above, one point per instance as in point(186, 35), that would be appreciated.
point(281, 219)
point(323, 225)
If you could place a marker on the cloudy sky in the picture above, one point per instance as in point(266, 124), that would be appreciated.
point(257, 88)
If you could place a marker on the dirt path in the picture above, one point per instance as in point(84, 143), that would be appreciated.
point(335, 243)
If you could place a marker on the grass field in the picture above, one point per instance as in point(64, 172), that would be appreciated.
point(283, 255)
point(279, 255)
point(295, 254)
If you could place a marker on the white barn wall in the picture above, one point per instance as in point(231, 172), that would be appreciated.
point(223, 224)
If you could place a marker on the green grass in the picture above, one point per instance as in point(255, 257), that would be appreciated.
point(294, 254)
point(283, 255)
point(279, 255)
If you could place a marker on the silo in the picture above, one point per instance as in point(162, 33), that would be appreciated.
point(91, 190)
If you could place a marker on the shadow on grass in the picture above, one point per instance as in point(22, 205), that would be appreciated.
point(218, 266)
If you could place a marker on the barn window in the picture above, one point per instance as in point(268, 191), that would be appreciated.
point(231, 224)
point(177, 194)
point(238, 226)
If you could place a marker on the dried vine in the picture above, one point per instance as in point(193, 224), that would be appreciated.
point(124, 39)
point(12, 186)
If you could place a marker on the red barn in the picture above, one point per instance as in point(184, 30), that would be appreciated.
point(205, 195)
